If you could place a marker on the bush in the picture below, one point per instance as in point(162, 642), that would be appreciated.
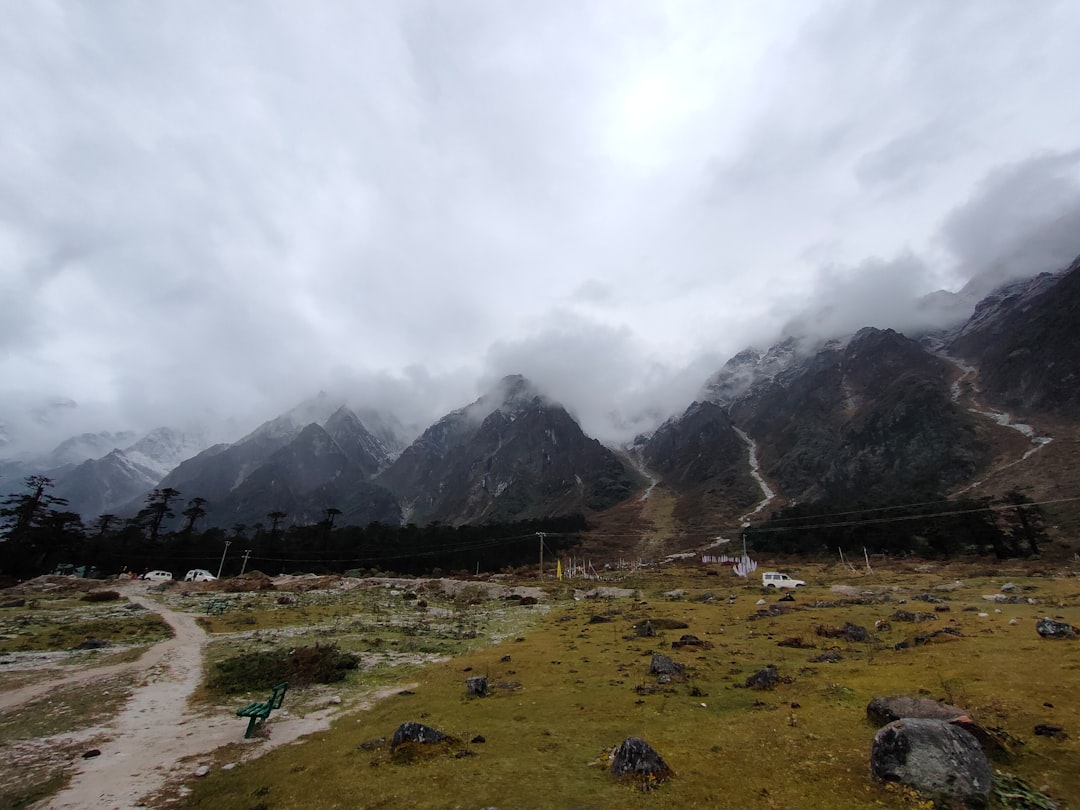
point(300, 666)
point(101, 596)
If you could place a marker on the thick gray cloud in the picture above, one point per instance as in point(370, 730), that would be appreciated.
point(215, 210)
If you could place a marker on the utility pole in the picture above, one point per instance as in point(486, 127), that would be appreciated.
point(247, 553)
point(222, 564)
point(541, 536)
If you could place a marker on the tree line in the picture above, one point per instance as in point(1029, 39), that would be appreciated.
point(1007, 526)
point(38, 534)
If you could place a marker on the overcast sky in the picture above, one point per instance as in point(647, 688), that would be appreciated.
point(213, 210)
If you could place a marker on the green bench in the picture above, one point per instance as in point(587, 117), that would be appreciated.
point(261, 711)
point(217, 606)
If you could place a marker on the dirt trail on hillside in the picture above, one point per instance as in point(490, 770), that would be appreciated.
point(156, 729)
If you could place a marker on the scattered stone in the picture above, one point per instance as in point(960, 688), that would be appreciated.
point(787, 598)
point(1010, 587)
point(688, 640)
point(678, 593)
point(908, 616)
point(476, 686)
point(417, 733)
point(766, 678)
point(334, 700)
point(202, 770)
point(832, 656)
point(371, 745)
point(505, 659)
point(93, 752)
point(605, 593)
point(228, 766)
point(933, 757)
point(479, 738)
point(598, 620)
point(707, 597)
point(795, 642)
point(849, 632)
point(662, 665)
point(1048, 628)
point(1051, 730)
point(644, 630)
point(942, 609)
point(926, 597)
point(636, 758)
point(883, 625)
point(937, 636)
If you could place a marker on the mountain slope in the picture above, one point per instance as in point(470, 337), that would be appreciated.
point(511, 454)
point(1025, 341)
point(871, 419)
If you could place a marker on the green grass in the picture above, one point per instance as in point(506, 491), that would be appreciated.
point(37, 631)
point(582, 688)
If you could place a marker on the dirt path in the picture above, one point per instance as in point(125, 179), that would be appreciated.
point(147, 742)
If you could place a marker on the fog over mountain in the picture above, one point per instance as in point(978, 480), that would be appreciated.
point(209, 213)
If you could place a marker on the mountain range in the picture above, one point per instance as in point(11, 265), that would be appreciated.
point(987, 405)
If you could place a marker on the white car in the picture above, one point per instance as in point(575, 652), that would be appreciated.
point(771, 579)
point(199, 575)
point(158, 576)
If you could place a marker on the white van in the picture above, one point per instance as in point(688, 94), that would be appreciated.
point(157, 576)
point(199, 575)
point(771, 579)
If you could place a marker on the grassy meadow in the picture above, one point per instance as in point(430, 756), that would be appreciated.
point(570, 680)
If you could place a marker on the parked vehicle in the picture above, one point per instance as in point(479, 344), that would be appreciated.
point(158, 576)
point(199, 575)
point(772, 579)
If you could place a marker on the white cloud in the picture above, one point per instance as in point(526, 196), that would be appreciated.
point(220, 209)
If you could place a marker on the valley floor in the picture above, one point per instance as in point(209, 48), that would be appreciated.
point(570, 679)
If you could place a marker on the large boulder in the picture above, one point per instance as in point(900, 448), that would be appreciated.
point(935, 757)
point(636, 758)
point(882, 710)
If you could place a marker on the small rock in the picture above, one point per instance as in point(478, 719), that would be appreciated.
point(1048, 628)
point(416, 732)
point(635, 757)
point(228, 766)
point(476, 686)
point(202, 770)
point(1051, 730)
point(662, 665)
point(766, 678)
point(335, 700)
point(93, 752)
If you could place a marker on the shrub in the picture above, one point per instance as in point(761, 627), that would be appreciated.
point(300, 666)
point(101, 596)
